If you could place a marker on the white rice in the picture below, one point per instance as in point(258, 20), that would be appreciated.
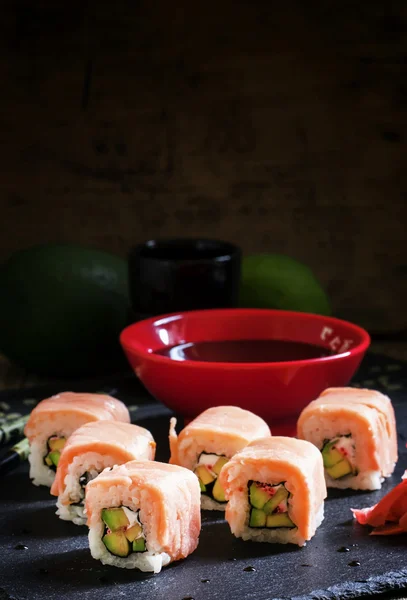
point(69, 512)
point(89, 462)
point(279, 535)
point(40, 473)
point(145, 561)
point(368, 480)
point(150, 561)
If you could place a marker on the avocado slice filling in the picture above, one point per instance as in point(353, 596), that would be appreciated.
point(268, 505)
point(117, 543)
point(123, 532)
point(55, 445)
point(338, 455)
point(207, 470)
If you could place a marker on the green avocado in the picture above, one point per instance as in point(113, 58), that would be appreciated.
point(330, 455)
point(133, 532)
point(202, 486)
point(204, 475)
point(117, 543)
point(278, 281)
point(56, 443)
point(115, 518)
point(218, 492)
point(139, 545)
point(280, 495)
point(257, 518)
point(257, 495)
point(279, 520)
point(54, 457)
point(62, 308)
point(220, 463)
point(341, 469)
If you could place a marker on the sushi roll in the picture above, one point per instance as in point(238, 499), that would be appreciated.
point(88, 451)
point(276, 491)
point(54, 419)
point(143, 515)
point(355, 430)
point(207, 443)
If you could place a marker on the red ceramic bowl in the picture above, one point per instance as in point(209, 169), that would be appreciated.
point(276, 391)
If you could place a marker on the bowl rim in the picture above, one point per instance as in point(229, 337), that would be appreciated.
point(226, 251)
point(131, 347)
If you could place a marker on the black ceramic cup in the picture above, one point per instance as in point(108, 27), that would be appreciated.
point(183, 274)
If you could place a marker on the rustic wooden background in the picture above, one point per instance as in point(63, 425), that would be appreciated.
point(279, 125)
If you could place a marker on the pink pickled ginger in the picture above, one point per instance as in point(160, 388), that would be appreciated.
point(389, 516)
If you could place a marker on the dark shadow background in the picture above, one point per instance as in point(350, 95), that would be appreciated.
point(281, 126)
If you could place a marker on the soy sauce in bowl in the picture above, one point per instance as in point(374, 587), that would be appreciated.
point(244, 351)
point(276, 391)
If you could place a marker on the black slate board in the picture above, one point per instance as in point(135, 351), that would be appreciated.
point(57, 563)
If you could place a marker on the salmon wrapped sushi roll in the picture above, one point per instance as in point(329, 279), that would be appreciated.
point(143, 515)
point(54, 419)
point(207, 443)
point(88, 451)
point(276, 491)
point(355, 430)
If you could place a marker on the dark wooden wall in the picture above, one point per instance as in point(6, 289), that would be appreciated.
point(279, 125)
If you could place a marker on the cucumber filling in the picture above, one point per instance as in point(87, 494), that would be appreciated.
point(268, 505)
point(55, 445)
point(338, 455)
point(123, 533)
point(207, 470)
